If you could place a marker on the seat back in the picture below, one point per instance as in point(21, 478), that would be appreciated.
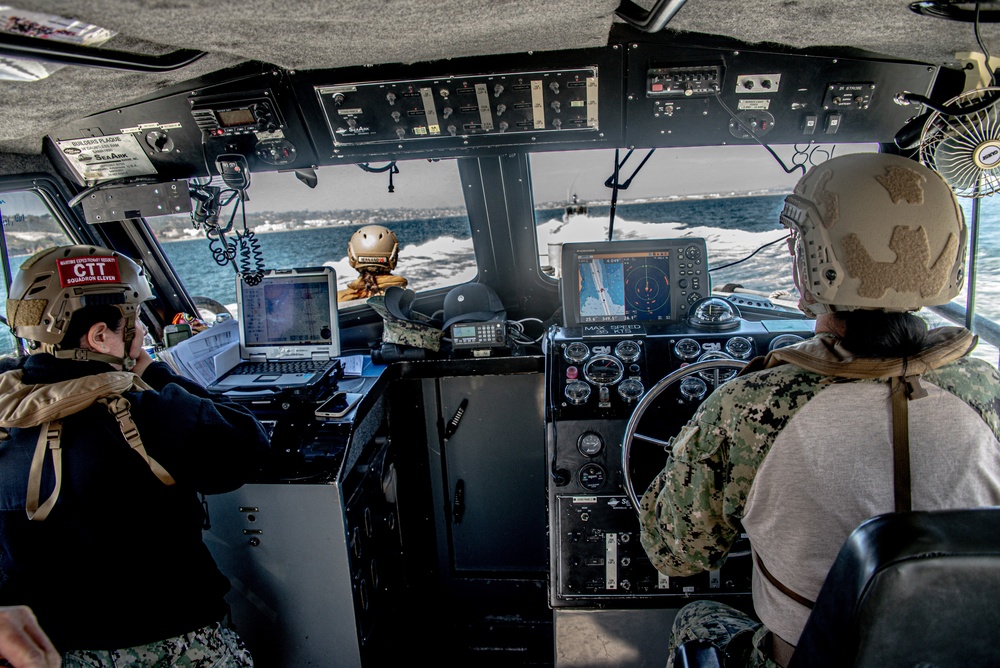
point(910, 589)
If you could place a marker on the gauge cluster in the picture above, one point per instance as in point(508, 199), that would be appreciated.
point(593, 384)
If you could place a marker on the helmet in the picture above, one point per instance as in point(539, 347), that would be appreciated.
point(373, 246)
point(875, 231)
point(53, 284)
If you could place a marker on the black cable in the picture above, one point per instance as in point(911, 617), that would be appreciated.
point(743, 125)
point(394, 170)
point(130, 180)
point(614, 194)
point(759, 249)
point(985, 103)
point(979, 41)
point(378, 170)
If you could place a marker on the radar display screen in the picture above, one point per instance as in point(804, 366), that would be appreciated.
point(616, 287)
point(640, 281)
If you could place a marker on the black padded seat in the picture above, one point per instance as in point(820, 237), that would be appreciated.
point(910, 589)
point(917, 589)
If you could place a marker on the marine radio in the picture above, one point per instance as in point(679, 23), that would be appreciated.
point(479, 335)
point(222, 116)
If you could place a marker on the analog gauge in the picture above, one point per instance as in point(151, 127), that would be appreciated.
point(577, 392)
point(576, 352)
point(592, 477)
point(590, 444)
point(739, 347)
point(783, 340)
point(628, 350)
point(687, 349)
point(693, 388)
point(692, 253)
point(718, 374)
point(630, 390)
point(603, 370)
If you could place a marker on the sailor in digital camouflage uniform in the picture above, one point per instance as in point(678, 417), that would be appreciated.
point(797, 450)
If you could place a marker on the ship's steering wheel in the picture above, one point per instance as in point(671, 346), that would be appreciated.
point(717, 367)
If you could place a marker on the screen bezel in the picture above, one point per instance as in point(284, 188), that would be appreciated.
point(675, 248)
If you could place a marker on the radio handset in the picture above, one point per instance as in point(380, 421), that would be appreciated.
point(235, 172)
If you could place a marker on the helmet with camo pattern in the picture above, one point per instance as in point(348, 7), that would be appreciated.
point(874, 231)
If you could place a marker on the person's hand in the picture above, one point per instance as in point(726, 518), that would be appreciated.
point(138, 352)
point(23, 643)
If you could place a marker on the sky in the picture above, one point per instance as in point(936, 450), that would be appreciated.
point(555, 176)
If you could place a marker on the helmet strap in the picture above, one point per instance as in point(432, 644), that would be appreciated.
point(85, 355)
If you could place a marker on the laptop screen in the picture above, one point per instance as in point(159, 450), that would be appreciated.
point(290, 314)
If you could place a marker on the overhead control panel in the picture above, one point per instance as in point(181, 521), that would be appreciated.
point(700, 96)
point(533, 106)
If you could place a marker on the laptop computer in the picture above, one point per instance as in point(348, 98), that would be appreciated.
point(289, 332)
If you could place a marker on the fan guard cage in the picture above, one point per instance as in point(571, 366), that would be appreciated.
point(965, 147)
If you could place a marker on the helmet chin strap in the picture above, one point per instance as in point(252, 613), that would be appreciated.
point(85, 354)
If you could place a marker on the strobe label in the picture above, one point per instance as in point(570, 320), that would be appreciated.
point(91, 270)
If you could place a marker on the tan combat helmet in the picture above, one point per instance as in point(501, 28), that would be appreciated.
point(55, 283)
point(875, 231)
point(373, 247)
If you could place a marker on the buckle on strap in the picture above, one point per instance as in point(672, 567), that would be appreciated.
point(48, 440)
point(119, 407)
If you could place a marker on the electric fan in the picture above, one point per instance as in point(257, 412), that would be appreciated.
point(964, 144)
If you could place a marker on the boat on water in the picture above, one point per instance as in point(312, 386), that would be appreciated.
point(574, 208)
point(476, 505)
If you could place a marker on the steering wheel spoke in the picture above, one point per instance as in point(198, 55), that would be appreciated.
point(650, 439)
point(716, 371)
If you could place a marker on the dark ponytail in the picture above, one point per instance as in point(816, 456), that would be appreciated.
point(881, 333)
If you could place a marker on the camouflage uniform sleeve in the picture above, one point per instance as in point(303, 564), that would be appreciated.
point(977, 383)
point(690, 514)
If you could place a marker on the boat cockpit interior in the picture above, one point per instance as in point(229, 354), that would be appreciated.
point(583, 197)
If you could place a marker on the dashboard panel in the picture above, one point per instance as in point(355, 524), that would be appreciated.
point(594, 379)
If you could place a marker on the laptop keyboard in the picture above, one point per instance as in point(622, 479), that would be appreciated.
point(290, 366)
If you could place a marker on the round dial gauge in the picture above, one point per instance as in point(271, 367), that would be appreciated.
point(577, 392)
point(739, 347)
point(687, 349)
point(630, 390)
point(722, 373)
point(628, 350)
point(576, 352)
point(603, 370)
point(693, 388)
point(592, 477)
point(783, 340)
point(590, 444)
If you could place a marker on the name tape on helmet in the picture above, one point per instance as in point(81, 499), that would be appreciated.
point(374, 259)
point(88, 270)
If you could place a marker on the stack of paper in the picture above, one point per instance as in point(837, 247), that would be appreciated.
point(206, 355)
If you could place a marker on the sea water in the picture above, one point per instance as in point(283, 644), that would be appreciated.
point(743, 236)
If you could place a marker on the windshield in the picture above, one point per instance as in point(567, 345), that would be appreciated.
point(29, 225)
point(730, 196)
point(294, 225)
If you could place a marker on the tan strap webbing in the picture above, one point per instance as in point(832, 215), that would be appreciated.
point(119, 407)
point(48, 439)
point(787, 591)
point(900, 446)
